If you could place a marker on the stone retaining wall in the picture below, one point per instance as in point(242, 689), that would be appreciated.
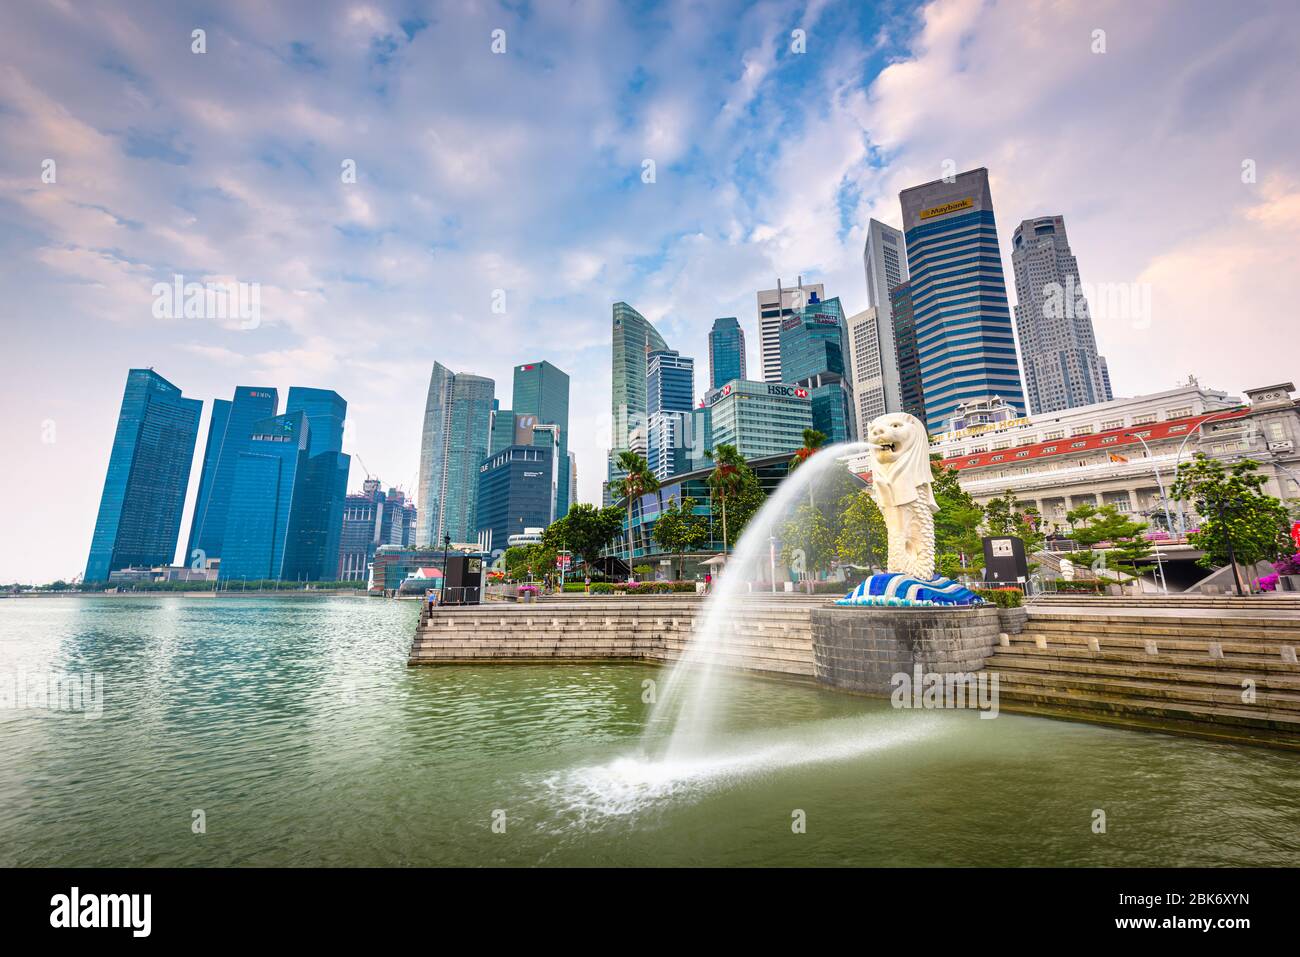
point(862, 649)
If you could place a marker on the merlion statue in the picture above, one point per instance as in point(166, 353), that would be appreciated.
point(900, 485)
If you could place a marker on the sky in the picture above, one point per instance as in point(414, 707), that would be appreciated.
point(1164, 133)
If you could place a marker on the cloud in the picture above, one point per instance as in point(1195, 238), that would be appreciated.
point(478, 172)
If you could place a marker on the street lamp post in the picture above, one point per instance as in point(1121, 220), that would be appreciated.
point(1164, 500)
point(1182, 516)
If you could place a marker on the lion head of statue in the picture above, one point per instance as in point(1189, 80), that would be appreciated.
point(900, 459)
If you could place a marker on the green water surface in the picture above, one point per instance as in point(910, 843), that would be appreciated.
point(296, 727)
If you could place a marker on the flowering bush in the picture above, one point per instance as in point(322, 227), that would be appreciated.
point(528, 589)
point(1267, 583)
point(1288, 566)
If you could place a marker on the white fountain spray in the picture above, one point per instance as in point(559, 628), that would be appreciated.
point(688, 697)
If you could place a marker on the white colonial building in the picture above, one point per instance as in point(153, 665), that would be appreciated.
point(1121, 452)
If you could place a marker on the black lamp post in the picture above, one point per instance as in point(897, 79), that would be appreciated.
point(442, 591)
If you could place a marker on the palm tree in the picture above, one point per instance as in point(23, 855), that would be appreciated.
point(637, 481)
point(812, 441)
point(725, 480)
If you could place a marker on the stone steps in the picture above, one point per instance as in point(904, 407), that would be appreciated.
point(1152, 684)
point(1014, 691)
point(1190, 663)
point(1242, 650)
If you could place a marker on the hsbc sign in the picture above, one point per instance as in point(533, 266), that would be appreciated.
point(790, 391)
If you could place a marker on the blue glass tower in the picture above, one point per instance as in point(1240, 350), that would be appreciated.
point(325, 411)
point(813, 350)
point(542, 390)
point(726, 352)
point(148, 472)
point(268, 487)
point(319, 526)
point(229, 433)
point(966, 348)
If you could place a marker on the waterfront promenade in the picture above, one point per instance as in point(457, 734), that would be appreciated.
point(1219, 667)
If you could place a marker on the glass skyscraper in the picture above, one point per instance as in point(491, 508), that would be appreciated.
point(455, 440)
point(670, 395)
point(269, 488)
point(634, 339)
point(965, 343)
point(542, 390)
point(148, 473)
point(515, 491)
point(325, 410)
point(909, 368)
point(320, 519)
point(813, 355)
point(726, 352)
point(229, 433)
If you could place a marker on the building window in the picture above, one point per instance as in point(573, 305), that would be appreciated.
point(1082, 430)
point(1144, 419)
point(1180, 413)
point(1112, 424)
point(1053, 435)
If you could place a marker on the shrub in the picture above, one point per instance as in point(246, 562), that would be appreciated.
point(1002, 597)
point(602, 588)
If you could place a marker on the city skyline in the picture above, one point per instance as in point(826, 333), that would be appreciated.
point(168, 166)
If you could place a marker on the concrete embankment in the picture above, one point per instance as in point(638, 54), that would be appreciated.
point(1219, 668)
point(770, 636)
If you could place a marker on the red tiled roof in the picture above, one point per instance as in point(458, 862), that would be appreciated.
point(1109, 440)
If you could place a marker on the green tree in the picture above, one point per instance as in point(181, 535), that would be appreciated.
point(726, 481)
point(1239, 522)
point(956, 526)
point(585, 531)
point(638, 480)
point(1006, 516)
point(861, 539)
point(808, 540)
point(515, 561)
point(679, 530)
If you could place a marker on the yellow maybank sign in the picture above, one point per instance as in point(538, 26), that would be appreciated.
point(952, 207)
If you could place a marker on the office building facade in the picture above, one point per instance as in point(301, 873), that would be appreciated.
point(909, 364)
point(774, 306)
point(516, 492)
point(1058, 348)
point(876, 384)
point(229, 432)
point(726, 352)
point(140, 509)
point(813, 355)
point(542, 390)
point(965, 342)
point(634, 338)
point(454, 441)
point(267, 502)
point(373, 518)
point(759, 418)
